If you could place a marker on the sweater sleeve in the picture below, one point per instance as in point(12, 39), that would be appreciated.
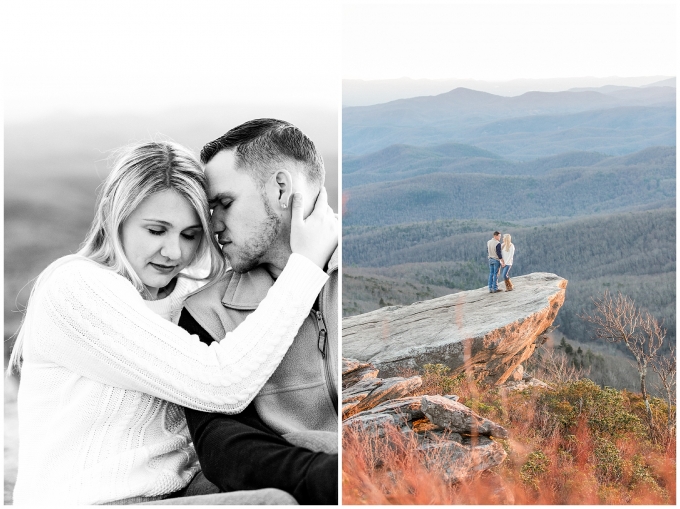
point(93, 322)
point(498, 251)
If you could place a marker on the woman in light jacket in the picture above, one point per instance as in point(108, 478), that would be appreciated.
point(105, 368)
point(508, 251)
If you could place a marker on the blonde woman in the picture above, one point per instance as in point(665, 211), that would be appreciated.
point(508, 251)
point(104, 365)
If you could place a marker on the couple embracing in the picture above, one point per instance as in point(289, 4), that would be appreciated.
point(500, 258)
point(151, 373)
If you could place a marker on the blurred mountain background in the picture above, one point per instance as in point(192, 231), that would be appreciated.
point(54, 166)
point(583, 179)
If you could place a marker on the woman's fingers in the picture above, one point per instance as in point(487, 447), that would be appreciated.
point(298, 209)
point(316, 236)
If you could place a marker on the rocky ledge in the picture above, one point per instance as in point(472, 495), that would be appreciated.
point(451, 436)
point(488, 335)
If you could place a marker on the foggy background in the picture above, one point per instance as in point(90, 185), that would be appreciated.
point(83, 78)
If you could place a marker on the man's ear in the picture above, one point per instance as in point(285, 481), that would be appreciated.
point(284, 183)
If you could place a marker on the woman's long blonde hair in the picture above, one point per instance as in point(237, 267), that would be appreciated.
point(507, 242)
point(138, 172)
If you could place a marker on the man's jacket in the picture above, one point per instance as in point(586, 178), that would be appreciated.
point(301, 394)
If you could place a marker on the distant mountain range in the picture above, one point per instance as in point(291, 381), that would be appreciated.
point(416, 184)
point(531, 125)
point(400, 162)
point(368, 92)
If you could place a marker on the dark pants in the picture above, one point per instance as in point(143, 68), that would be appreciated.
point(240, 452)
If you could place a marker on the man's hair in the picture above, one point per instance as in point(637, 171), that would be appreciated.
point(496, 233)
point(262, 143)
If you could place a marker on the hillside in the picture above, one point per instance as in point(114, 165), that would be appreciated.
point(644, 180)
point(400, 162)
point(466, 399)
point(632, 252)
point(531, 125)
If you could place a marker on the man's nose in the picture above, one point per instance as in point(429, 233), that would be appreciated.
point(216, 223)
point(171, 248)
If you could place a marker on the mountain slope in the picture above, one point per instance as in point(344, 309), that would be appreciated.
point(559, 194)
point(621, 121)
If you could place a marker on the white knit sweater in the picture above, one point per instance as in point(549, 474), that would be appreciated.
point(103, 376)
point(509, 255)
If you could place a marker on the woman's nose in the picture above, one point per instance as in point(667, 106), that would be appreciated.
point(171, 248)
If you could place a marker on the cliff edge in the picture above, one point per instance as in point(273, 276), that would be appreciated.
point(487, 334)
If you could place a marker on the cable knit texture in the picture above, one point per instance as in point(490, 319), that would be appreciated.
point(103, 374)
point(509, 255)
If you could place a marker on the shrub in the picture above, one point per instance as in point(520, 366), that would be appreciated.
point(436, 379)
point(534, 469)
point(604, 409)
point(608, 462)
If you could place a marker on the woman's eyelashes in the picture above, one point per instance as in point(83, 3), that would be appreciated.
point(187, 235)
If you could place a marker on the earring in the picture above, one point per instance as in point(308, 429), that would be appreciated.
point(284, 206)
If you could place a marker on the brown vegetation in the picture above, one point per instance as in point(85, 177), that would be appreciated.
point(575, 444)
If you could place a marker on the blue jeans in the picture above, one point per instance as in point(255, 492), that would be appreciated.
point(494, 265)
point(506, 271)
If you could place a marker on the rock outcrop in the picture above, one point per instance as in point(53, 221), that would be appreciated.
point(452, 438)
point(487, 334)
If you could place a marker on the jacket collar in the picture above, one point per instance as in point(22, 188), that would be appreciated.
point(246, 291)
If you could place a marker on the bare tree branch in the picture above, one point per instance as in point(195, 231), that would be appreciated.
point(618, 320)
point(665, 366)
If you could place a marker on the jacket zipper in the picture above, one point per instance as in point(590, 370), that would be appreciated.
point(322, 344)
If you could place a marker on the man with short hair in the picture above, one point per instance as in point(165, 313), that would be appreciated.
point(493, 248)
point(253, 171)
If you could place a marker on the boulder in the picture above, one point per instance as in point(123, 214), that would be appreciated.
point(455, 416)
point(489, 335)
point(354, 371)
point(524, 384)
point(452, 439)
point(518, 374)
point(460, 462)
point(373, 391)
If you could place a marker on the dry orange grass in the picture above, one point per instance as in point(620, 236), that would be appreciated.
point(577, 445)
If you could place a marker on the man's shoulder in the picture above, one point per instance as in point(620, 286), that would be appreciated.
point(211, 292)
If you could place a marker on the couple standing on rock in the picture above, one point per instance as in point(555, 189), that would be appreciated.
point(500, 256)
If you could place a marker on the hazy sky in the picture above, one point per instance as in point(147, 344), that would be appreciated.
point(133, 56)
point(507, 40)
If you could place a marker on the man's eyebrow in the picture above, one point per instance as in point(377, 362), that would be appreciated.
point(218, 197)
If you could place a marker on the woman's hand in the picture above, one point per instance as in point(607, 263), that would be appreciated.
point(317, 236)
